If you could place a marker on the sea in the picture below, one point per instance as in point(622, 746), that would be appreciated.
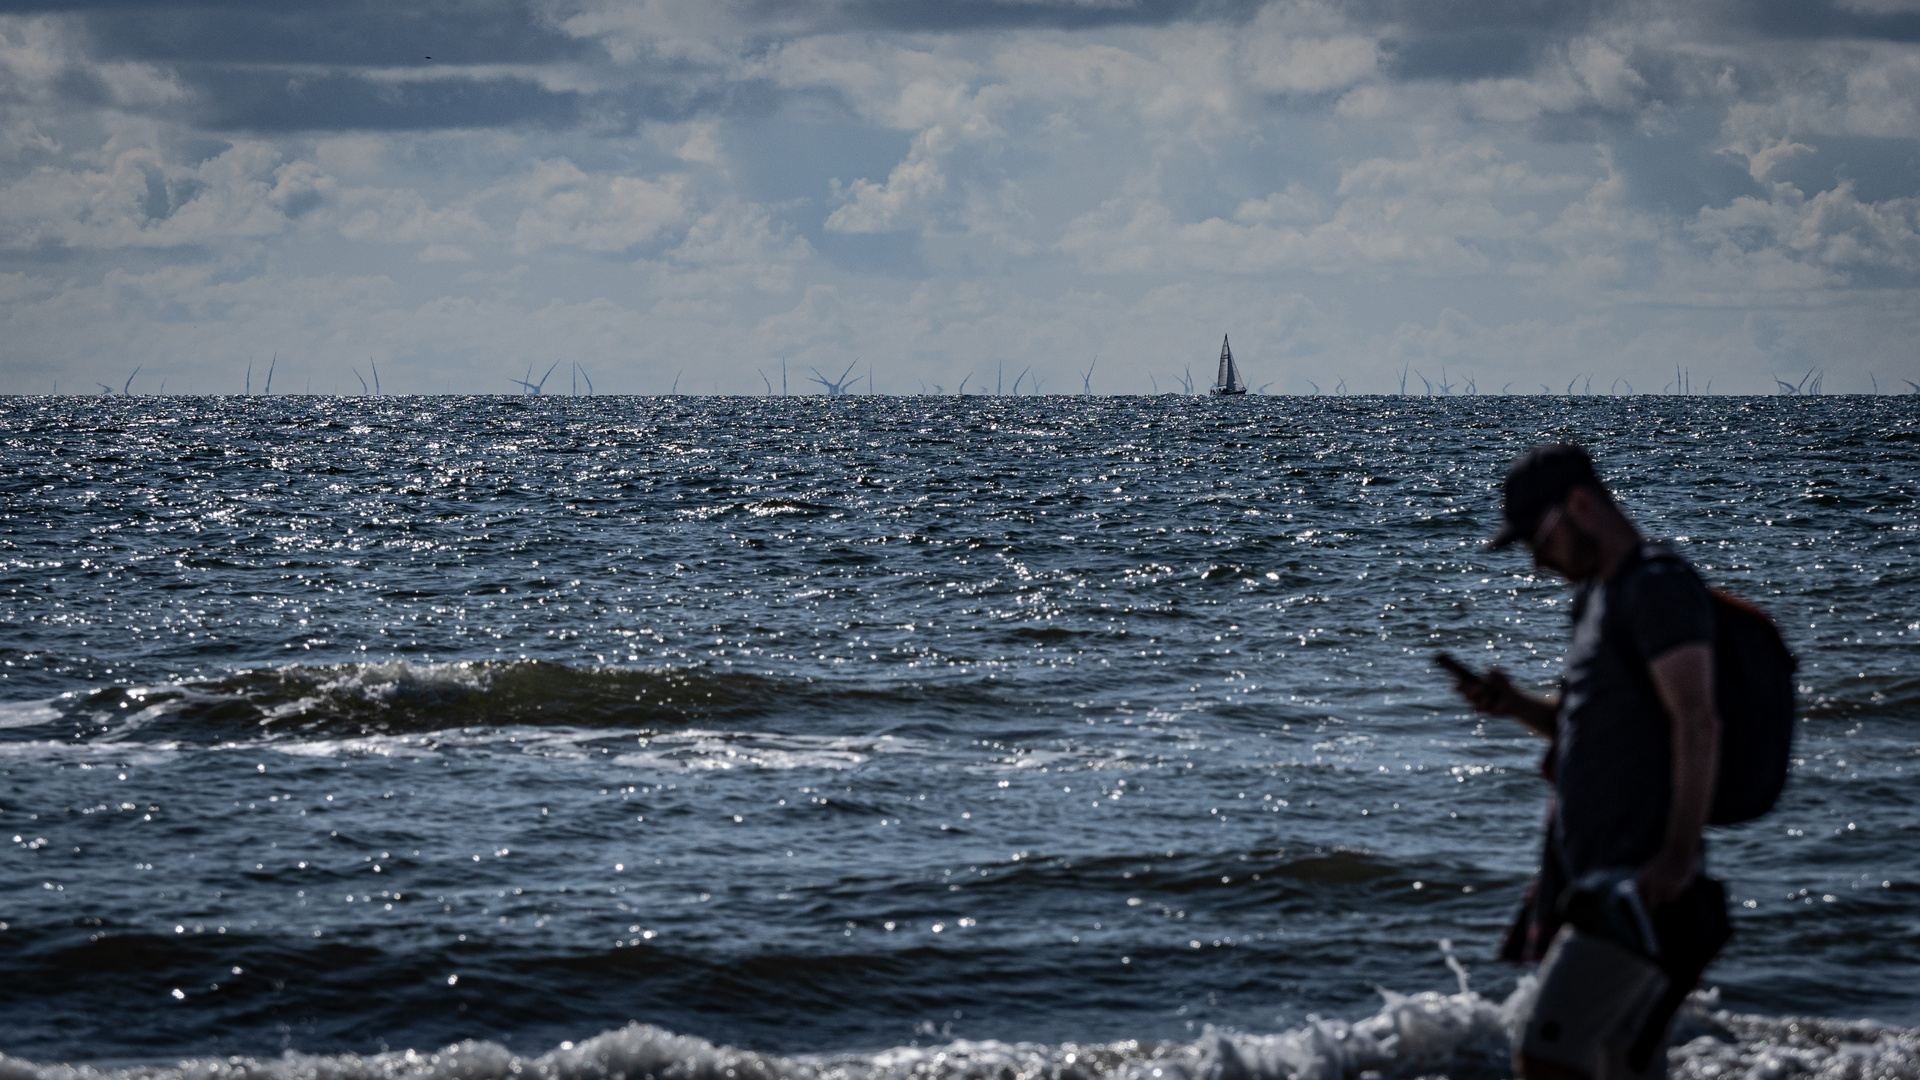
point(884, 738)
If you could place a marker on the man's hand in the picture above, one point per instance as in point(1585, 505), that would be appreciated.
point(1495, 695)
point(1666, 877)
point(1492, 693)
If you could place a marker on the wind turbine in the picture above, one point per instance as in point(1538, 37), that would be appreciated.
point(534, 387)
point(834, 389)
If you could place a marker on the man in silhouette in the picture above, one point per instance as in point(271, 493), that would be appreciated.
point(1635, 746)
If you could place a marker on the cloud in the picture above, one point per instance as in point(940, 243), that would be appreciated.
point(271, 101)
point(1832, 229)
point(1285, 65)
point(336, 66)
point(867, 207)
point(45, 61)
point(140, 199)
point(405, 216)
point(1439, 212)
point(729, 248)
point(707, 31)
point(1499, 187)
point(600, 213)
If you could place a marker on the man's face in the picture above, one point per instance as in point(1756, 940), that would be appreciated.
point(1561, 545)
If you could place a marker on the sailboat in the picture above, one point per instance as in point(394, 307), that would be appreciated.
point(1229, 380)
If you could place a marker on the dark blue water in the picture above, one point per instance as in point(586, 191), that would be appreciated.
point(822, 727)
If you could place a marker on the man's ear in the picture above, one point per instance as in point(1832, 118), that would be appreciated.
point(1584, 506)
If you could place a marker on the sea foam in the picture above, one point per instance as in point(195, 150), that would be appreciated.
point(1412, 1035)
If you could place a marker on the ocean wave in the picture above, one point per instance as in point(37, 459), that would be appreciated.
point(401, 697)
point(1461, 1035)
point(15, 714)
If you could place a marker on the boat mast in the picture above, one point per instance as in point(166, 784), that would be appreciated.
point(1225, 382)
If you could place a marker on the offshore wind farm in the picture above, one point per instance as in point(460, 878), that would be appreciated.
point(1809, 383)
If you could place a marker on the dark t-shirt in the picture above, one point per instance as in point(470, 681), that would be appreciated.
point(1614, 750)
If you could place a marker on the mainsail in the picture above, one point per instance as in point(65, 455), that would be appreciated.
point(1228, 381)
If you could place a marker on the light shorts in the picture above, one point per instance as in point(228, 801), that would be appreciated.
point(1594, 996)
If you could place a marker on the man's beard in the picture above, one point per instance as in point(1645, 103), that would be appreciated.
point(1583, 553)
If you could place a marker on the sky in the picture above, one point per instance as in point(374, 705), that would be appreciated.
point(919, 195)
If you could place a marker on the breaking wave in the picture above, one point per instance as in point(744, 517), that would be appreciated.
point(1428, 1034)
point(398, 697)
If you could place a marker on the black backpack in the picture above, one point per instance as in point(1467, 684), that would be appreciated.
point(1753, 688)
point(1753, 683)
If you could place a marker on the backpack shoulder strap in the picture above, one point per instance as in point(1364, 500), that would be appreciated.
point(1612, 620)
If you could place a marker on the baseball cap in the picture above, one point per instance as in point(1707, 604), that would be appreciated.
point(1535, 482)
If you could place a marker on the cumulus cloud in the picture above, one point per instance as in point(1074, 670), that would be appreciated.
point(732, 247)
point(571, 208)
point(1306, 49)
point(140, 199)
point(1493, 187)
point(1832, 228)
point(405, 216)
point(1439, 212)
point(867, 207)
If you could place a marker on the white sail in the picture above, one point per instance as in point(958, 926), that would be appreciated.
point(1228, 381)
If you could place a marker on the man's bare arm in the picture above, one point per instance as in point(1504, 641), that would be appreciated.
point(1683, 676)
point(1495, 695)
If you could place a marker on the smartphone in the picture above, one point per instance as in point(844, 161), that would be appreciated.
point(1457, 669)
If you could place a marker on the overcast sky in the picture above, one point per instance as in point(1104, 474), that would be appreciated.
point(1519, 192)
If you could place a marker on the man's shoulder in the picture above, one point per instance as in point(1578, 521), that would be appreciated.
point(1660, 564)
point(1663, 602)
point(1660, 552)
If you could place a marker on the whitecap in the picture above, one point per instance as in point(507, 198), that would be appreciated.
point(702, 750)
point(1412, 1035)
point(19, 714)
point(395, 680)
